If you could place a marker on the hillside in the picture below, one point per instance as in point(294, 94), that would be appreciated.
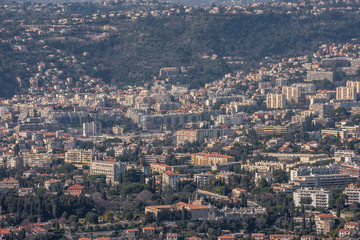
point(137, 50)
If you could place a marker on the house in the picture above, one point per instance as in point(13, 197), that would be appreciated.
point(29, 173)
point(258, 236)
point(227, 237)
point(38, 231)
point(10, 183)
point(75, 190)
point(148, 230)
point(236, 192)
point(171, 236)
point(282, 237)
point(25, 191)
point(132, 233)
point(345, 232)
point(307, 237)
point(352, 226)
point(53, 185)
point(4, 232)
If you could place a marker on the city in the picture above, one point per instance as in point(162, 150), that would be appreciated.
point(204, 146)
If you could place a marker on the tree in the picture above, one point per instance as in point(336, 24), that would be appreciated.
point(73, 219)
point(128, 216)
point(91, 217)
point(108, 217)
point(280, 176)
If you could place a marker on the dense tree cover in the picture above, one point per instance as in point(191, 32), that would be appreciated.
point(138, 49)
point(8, 70)
point(43, 206)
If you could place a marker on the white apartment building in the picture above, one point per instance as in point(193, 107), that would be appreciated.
point(319, 197)
point(354, 84)
point(91, 128)
point(352, 192)
point(291, 93)
point(346, 93)
point(274, 100)
point(112, 170)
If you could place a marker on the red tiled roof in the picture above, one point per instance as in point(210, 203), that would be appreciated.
point(76, 187)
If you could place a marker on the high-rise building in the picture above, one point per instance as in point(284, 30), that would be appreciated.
point(346, 93)
point(354, 84)
point(291, 93)
point(274, 100)
point(91, 128)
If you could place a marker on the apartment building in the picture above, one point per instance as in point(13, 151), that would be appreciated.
point(352, 192)
point(91, 128)
point(210, 159)
point(190, 135)
point(354, 84)
point(202, 179)
point(292, 94)
point(112, 170)
point(326, 181)
point(159, 167)
point(42, 160)
point(275, 100)
point(319, 76)
point(346, 93)
point(79, 156)
point(263, 130)
point(307, 171)
point(319, 197)
point(324, 223)
point(170, 178)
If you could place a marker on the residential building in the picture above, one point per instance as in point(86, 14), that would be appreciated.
point(319, 76)
point(53, 185)
point(291, 93)
point(324, 223)
point(190, 135)
point(91, 128)
point(112, 170)
point(75, 190)
point(352, 192)
point(170, 178)
point(210, 159)
point(79, 157)
point(258, 236)
point(148, 230)
point(354, 84)
point(274, 100)
point(263, 130)
point(326, 181)
point(319, 197)
point(42, 160)
point(132, 233)
point(9, 183)
point(282, 236)
point(159, 167)
point(25, 191)
point(346, 93)
point(202, 179)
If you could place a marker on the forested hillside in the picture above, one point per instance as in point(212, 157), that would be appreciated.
point(133, 51)
point(138, 49)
